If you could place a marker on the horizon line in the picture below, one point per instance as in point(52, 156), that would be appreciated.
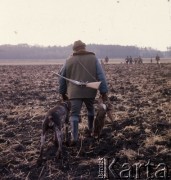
point(41, 45)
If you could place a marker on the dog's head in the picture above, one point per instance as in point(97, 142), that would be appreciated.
point(53, 119)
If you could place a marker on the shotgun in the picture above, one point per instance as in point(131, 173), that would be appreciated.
point(93, 85)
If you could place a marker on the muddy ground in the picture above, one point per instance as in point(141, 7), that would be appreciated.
point(136, 144)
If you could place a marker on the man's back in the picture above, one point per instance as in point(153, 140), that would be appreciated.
point(81, 67)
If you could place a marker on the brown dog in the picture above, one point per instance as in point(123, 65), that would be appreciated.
point(56, 119)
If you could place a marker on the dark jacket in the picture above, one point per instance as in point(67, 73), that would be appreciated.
point(82, 66)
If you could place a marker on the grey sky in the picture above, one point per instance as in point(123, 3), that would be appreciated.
point(145, 23)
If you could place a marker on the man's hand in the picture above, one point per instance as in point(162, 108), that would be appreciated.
point(64, 97)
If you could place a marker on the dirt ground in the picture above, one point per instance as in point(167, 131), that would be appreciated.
point(139, 134)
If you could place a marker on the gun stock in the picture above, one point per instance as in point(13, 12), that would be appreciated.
point(93, 85)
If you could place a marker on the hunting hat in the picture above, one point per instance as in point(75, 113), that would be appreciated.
point(78, 45)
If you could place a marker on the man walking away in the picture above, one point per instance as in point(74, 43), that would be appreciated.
point(81, 66)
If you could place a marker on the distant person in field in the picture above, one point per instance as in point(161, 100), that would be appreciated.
point(151, 60)
point(102, 64)
point(127, 60)
point(157, 59)
point(130, 60)
point(135, 60)
point(82, 66)
point(106, 59)
point(140, 61)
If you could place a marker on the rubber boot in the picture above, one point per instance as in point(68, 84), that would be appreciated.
point(74, 130)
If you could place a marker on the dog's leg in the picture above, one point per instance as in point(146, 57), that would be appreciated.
point(58, 134)
point(66, 124)
point(66, 134)
point(42, 141)
point(43, 136)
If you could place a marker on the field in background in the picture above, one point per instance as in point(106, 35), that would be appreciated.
point(139, 134)
point(61, 61)
point(31, 61)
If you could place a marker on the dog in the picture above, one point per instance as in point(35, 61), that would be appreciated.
point(56, 119)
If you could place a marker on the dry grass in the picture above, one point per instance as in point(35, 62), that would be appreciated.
point(140, 96)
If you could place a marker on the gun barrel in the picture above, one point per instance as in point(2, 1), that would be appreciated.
point(73, 81)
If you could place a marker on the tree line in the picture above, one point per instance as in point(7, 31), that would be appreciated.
point(25, 51)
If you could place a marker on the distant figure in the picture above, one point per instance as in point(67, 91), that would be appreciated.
point(102, 64)
point(140, 61)
point(151, 60)
point(130, 60)
point(106, 59)
point(135, 60)
point(127, 60)
point(157, 59)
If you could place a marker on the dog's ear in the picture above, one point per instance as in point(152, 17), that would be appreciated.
point(45, 124)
